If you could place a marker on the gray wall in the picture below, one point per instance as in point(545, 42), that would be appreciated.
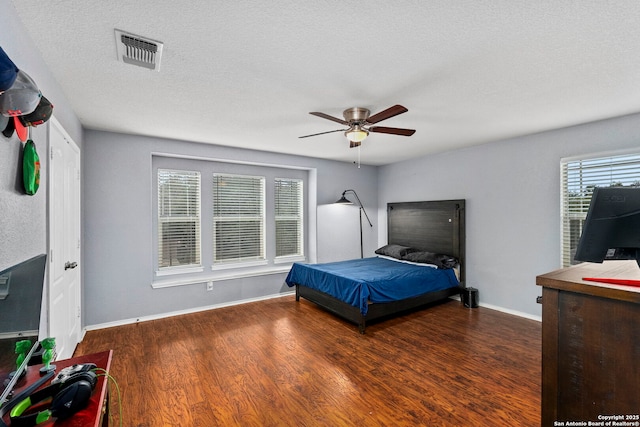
point(23, 219)
point(117, 212)
point(512, 189)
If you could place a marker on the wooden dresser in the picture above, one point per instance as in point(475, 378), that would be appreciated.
point(590, 345)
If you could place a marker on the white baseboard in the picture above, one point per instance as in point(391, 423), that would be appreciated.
point(514, 312)
point(506, 310)
point(229, 304)
point(180, 312)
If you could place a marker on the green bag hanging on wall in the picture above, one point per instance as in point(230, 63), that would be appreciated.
point(30, 168)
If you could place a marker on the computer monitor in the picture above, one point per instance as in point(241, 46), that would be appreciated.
point(21, 288)
point(612, 227)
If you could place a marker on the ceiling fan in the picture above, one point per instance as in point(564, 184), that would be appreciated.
point(359, 123)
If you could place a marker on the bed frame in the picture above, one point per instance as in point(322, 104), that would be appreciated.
point(434, 226)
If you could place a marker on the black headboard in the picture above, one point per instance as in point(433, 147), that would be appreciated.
point(434, 226)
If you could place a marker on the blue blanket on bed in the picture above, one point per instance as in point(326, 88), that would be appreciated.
point(359, 281)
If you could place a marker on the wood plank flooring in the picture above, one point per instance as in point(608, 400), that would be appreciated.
point(285, 363)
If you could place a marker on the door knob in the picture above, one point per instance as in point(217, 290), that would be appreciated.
point(68, 265)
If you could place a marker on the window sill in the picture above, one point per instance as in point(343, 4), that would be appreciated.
point(221, 277)
point(238, 265)
point(289, 259)
point(172, 271)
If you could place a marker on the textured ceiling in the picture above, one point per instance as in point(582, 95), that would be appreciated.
point(246, 73)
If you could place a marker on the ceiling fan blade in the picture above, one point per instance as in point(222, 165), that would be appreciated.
point(393, 131)
point(322, 133)
point(328, 117)
point(353, 144)
point(386, 114)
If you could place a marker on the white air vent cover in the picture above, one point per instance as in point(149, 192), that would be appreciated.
point(138, 50)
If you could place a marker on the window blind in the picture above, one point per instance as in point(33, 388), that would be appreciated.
point(178, 218)
point(289, 217)
point(238, 218)
point(579, 178)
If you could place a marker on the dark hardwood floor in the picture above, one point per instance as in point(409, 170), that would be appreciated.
point(285, 363)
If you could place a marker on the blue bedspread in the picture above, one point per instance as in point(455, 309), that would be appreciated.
point(359, 281)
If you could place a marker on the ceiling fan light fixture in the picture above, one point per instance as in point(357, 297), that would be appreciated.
point(356, 134)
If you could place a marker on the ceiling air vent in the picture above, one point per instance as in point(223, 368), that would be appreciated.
point(140, 51)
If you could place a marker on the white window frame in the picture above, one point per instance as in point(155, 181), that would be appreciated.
point(237, 215)
point(207, 274)
point(579, 176)
point(297, 217)
point(192, 216)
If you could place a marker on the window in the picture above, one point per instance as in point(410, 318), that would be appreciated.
point(289, 218)
point(579, 178)
point(238, 218)
point(216, 220)
point(178, 219)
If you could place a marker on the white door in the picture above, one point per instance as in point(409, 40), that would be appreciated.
point(64, 241)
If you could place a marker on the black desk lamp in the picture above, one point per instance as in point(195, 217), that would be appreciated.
point(344, 201)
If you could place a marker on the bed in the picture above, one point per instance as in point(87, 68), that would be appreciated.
point(373, 288)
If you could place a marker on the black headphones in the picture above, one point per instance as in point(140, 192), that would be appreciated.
point(71, 393)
